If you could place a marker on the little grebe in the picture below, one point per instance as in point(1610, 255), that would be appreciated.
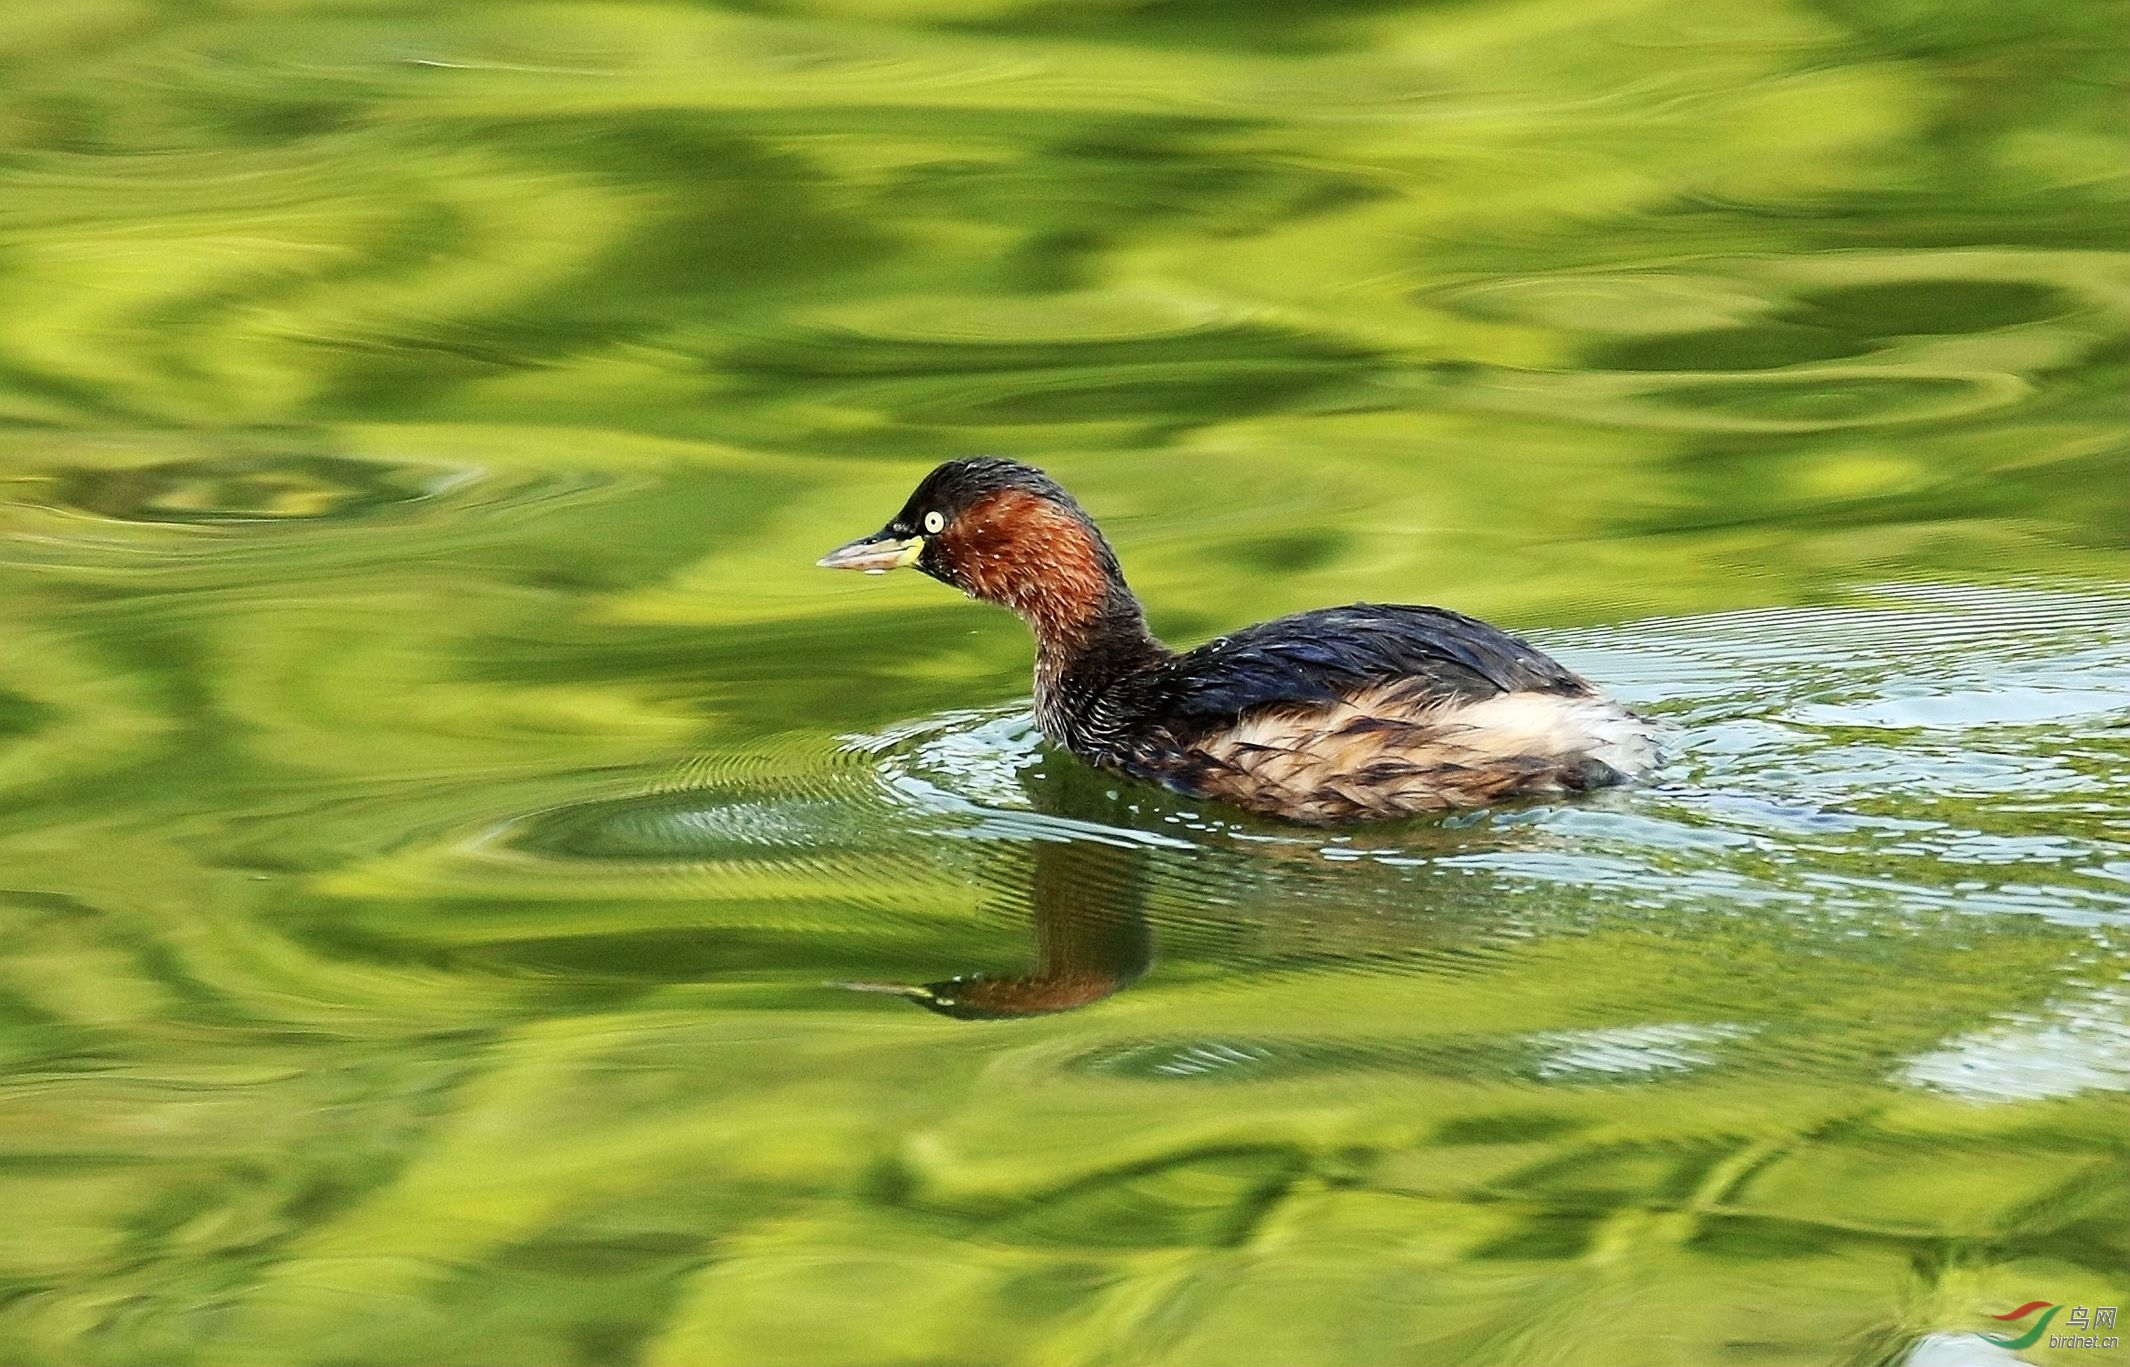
point(1342, 714)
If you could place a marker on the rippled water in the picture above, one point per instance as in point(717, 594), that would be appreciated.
point(474, 894)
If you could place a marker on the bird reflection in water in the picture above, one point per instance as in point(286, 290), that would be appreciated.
point(1091, 939)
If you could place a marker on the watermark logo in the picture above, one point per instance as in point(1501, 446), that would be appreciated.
point(2080, 1318)
point(2033, 1332)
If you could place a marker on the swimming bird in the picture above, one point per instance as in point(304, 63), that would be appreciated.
point(1345, 714)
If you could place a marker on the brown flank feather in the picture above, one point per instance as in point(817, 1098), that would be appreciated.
point(1382, 753)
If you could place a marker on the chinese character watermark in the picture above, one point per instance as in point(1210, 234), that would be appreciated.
point(2083, 1324)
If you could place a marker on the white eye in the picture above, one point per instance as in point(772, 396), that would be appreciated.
point(934, 521)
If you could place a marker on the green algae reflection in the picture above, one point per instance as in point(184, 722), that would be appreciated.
point(440, 806)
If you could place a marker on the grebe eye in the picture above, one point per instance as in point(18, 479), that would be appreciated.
point(934, 522)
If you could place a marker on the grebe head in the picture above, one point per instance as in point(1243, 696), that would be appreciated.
point(1000, 531)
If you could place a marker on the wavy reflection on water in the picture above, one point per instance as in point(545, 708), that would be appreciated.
point(1827, 784)
point(438, 799)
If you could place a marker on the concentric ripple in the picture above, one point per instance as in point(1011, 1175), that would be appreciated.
point(1909, 767)
point(443, 813)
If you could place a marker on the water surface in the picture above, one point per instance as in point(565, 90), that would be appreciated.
point(445, 820)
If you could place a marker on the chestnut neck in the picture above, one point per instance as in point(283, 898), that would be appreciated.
point(1105, 634)
point(1053, 567)
point(1080, 663)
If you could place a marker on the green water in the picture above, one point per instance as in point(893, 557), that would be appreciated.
point(439, 800)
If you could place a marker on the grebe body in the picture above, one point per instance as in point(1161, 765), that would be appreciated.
point(1338, 715)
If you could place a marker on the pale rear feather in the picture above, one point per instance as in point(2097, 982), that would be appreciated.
point(1381, 754)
